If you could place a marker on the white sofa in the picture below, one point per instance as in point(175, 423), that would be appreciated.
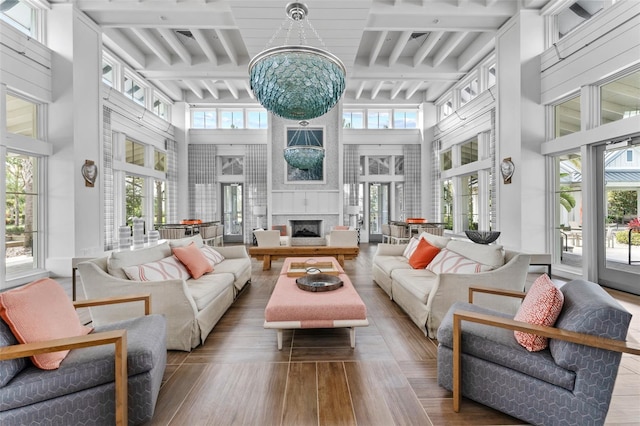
point(426, 296)
point(192, 307)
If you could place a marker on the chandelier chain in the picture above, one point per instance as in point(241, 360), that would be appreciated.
point(275, 35)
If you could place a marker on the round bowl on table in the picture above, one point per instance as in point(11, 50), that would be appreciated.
point(482, 237)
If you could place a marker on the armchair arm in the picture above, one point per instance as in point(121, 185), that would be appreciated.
point(385, 249)
point(509, 324)
point(146, 298)
point(495, 291)
point(116, 337)
point(232, 252)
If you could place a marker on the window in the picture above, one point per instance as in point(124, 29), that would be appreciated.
point(159, 161)
point(446, 109)
point(19, 15)
point(353, 120)
point(629, 155)
point(447, 203)
point(469, 91)
point(619, 99)
point(204, 119)
point(469, 152)
point(21, 212)
point(159, 202)
point(107, 72)
point(399, 169)
point(231, 119)
point(469, 202)
point(491, 76)
point(257, 119)
point(379, 165)
point(134, 197)
point(134, 153)
point(160, 108)
point(405, 119)
point(232, 166)
point(378, 120)
point(567, 117)
point(576, 13)
point(22, 117)
point(445, 160)
point(133, 90)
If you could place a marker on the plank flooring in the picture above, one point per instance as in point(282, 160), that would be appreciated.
point(239, 377)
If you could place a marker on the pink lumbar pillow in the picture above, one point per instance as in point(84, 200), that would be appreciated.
point(168, 268)
point(193, 259)
point(541, 306)
point(41, 311)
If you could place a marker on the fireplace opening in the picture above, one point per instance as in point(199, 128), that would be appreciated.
point(306, 228)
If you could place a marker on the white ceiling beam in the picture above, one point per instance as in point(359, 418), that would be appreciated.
point(373, 55)
point(129, 52)
point(478, 49)
point(411, 90)
point(176, 45)
point(204, 44)
point(376, 89)
point(228, 47)
point(208, 84)
point(170, 89)
point(152, 43)
point(426, 47)
point(448, 47)
point(232, 89)
point(396, 89)
point(399, 47)
point(194, 88)
point(247, 87)
point(359, 90)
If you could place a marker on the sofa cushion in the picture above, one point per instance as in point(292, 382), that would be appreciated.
point(491, 255)
point(212, 255)
point(182, 242)
point(411, 247)
point(423, 254)
point(164, 269)
point(450, 262)
point(541, 306)
point(435, 240)
point(418, 282)
point(121, 259)
point(87, 368)
point(498, 345)
point(10, 367)
point(209, 286)
point(41, 311)
point(388, 264)
point(193, 259)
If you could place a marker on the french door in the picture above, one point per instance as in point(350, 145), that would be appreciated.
point(379, 201)
point(232, 212)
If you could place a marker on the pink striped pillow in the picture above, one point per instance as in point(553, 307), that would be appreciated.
point(450, 262)
point(213, 256)
point(168, 268)
point(541, 306)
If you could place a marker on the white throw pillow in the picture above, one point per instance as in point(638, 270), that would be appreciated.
point(411, 247)
point(450, 262)
point(486, 254)
point(435, 240)
point(212, 255)
point(120, 259)
point(168, 268)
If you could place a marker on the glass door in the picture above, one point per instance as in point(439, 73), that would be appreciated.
point(618, 222)
point(232, 213)
point(568, 210)
point(378, 209)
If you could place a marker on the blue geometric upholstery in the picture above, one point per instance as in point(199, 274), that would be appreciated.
point(82, 390)
point(565, 384)
point(9, 368)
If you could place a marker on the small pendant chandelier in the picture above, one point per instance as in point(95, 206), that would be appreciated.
point(297, 82)
point(304, 151)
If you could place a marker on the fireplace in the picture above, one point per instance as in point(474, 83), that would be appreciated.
point(306, 228)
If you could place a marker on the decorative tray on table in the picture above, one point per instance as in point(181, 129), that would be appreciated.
point(300, 269)
point(319, 282)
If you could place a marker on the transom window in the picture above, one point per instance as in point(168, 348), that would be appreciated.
point(159, 160)
point(353, 120)
point(469, 152)
point(378, 120)
point(232, 166)
point(576, 14)
point(204, 119)
point(19, 15)
point(134, 153)
point(405, 119)
point(257, 119)
point(107, 72)
point(469, 91)
point(231, 119)
point(619, 99)
point(445, 160)
point(567, 117)
point(22, 116)
point(134, 90)
point(160, 108)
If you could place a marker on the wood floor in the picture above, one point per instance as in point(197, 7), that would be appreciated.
point(238, 376)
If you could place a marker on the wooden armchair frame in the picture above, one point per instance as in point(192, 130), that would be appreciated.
point(496, 321)
point(116, 337)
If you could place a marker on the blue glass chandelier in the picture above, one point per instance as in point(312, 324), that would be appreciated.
point(297, 82)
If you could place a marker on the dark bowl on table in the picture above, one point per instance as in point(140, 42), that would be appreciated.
point(483, 237)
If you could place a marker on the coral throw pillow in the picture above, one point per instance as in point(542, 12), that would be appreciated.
point(450, 262)
point(423, 254)
point(341, 228)
point(193, 259)
point(212, 255)
point(168, 268)
point(541, 306)
point(281, 228)
point(410, 248)
point(41, 311)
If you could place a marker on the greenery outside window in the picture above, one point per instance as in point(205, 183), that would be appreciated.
point(446, 203)
point(445, 160)
point(134, 153)
point(231, 119)
point(619, 99)
point(257, 119)
point(353, 120)
point(22, 116)
point(134, 197)
point(567, 117)
point(378, 120)
point(469, 152)
point(403, 119)
point(159, 201)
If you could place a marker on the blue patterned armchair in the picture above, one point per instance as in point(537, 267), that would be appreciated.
point(569, 383)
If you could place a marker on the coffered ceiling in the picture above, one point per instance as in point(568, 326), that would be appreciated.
point(394, 50)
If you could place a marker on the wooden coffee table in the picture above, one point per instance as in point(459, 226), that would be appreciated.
point(291, 307)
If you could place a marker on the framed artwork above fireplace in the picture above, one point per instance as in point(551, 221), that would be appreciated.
point(312, 137)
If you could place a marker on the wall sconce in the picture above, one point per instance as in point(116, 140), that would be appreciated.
point(507, 168)
point(89, 173)
point(259, 212)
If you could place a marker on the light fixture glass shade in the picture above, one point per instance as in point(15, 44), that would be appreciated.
point(304, 157)
point(297, 82)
